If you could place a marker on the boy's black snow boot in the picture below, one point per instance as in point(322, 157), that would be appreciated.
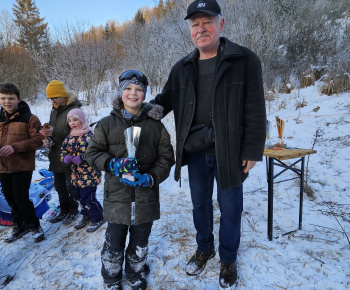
point(17, 232)
point(146, 270)
point(198, 261)
point(139, 284)
point(60, 217)
point(83, 222)
point(38, 234)
point(228, 274)
point(71, 217)
point(94, 226)
point(114, 286)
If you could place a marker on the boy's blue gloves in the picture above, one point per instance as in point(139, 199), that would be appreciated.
point(123, 165)
point(144, 180)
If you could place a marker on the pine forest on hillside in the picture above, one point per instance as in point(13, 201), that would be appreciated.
point(298, 42)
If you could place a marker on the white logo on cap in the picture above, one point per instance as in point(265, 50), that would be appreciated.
point(76, 116)
point(201, 5)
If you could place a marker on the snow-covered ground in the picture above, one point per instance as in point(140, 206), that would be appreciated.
point(316, 257)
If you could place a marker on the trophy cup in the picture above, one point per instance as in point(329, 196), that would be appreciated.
point(132, 138)
point(280, 127)
point(268, 144)
point(45, 149)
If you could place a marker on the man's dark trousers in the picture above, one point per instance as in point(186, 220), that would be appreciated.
point(65, 190)
point(202, 169)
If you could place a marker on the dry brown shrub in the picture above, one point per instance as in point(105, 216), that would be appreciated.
point(336, 84)
point(270, 95)
point(318, 73)
point(300, 104)
point(286, 88)
point(309, 78)
point(307, 81)
point(282, 105)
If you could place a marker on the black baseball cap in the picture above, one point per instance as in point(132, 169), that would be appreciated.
point(210, 7)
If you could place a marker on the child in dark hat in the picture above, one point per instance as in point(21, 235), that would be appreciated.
point(130, 206)
point(19, 140)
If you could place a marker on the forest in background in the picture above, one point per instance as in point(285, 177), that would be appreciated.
point(297, 41)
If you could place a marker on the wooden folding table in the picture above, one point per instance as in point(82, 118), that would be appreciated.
point(274, 157)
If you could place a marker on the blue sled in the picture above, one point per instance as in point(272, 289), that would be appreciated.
point(38, 193)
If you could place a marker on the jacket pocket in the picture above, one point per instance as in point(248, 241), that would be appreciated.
point(201, 137)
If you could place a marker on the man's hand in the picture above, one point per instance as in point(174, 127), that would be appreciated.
point(247, 165)
point(47, 132)
point(6, 150)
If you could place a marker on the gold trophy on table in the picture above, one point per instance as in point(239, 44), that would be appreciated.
point(280, 128)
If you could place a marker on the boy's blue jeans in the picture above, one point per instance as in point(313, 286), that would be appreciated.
point(201, 170)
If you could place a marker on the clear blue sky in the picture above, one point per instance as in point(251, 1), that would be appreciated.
point(96, 12)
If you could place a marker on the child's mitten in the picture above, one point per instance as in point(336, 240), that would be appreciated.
point(123, 165)
point(67, 159)
point(144, 180)
point(76, 159)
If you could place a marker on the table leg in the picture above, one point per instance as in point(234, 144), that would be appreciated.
point(270, 198)
point(301, 192)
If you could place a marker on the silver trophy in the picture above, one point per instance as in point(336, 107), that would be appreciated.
point(132, 138)
point(268, 144)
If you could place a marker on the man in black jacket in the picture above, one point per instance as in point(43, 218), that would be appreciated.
point(216, 94)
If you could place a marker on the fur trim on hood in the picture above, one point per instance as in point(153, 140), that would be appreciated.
point(71, 97)
point(153, 111)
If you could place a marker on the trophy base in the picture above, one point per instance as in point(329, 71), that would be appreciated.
point(128, 177)
point(279, 145)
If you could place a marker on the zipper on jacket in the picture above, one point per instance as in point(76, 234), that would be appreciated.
point(133, 197)
point(133, 212)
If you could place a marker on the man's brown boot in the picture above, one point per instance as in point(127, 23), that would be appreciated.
point(228, 274)
point(198, 261)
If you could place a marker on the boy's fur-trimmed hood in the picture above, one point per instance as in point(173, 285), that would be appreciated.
point(153, 111)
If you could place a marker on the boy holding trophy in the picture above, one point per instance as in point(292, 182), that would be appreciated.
point(134, 148)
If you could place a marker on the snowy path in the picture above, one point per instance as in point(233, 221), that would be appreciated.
point(317, 257)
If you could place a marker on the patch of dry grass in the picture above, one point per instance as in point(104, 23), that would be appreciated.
point(336, 84)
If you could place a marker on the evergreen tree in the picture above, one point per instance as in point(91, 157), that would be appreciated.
point(109, 30)
point(32, 29)
point(113, 26)
point(139, 19)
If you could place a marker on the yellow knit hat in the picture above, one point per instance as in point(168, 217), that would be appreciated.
point(55, 89)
